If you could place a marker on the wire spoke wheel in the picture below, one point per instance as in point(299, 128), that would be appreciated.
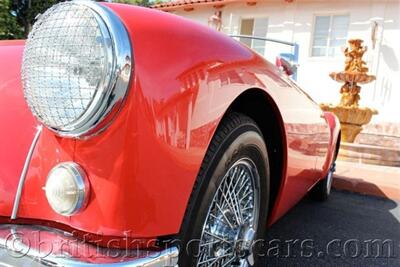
point(232, 218)
point(228, 208)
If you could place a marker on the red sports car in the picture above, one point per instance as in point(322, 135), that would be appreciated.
point(133, 137)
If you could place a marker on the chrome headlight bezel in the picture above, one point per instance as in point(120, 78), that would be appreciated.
point(112, 90)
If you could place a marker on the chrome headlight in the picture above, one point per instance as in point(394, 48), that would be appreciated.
point(76, 68)
point(67, 189)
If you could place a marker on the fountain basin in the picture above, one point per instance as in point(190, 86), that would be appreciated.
point(352, 77)
point(351, 119)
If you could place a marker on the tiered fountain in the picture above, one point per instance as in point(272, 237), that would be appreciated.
point(351, 116)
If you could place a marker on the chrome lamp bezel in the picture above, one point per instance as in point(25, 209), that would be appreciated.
point(113, 88)
point(82, 183)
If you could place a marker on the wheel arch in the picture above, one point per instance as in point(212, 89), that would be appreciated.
point(259, 105)
point(335, 140)
point(338, 143)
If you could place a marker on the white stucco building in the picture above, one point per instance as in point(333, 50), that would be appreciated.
point(320, 28)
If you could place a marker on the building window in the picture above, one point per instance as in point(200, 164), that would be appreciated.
point(330, 34)
point(254, 27)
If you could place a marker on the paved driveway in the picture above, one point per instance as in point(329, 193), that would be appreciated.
point(348, 229)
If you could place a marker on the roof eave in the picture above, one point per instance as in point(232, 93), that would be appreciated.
point(191, 6)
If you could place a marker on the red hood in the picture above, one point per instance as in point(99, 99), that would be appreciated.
point(17, 125)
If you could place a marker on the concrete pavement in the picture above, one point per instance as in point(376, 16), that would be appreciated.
point(368, 179)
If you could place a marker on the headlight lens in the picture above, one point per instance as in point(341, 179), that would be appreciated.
point(67, 189)
point(76, 67)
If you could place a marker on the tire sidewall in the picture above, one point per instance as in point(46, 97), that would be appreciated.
point(244, 142)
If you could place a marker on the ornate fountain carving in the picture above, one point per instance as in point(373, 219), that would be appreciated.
point(351, 116)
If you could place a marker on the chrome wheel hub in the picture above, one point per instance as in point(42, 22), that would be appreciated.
point(246, 237)
point(231, 223)
point(330, 177)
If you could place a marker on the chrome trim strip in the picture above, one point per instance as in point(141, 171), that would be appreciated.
point(262, 39)
point(24, 172)
point(165, 258)
point(19, 247)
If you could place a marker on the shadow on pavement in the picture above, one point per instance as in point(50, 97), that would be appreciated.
point(348, 229)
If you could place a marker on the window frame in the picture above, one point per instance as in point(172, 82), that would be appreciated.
point(331, 15)
point(254, 17)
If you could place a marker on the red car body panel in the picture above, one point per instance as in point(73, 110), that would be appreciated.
point(143, 167)
point(17, 125)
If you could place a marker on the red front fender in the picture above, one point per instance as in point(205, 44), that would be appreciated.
point(17, 125)
point(143, 167)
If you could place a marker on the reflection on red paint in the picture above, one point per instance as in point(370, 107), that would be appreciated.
point(143, 167)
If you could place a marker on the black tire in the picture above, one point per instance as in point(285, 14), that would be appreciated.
point(237, 137)
point(322, 190)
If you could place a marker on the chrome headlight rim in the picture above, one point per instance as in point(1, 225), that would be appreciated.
point(83, 187)
point(113, 89)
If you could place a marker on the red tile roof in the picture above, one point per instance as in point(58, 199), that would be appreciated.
point(189, 3)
